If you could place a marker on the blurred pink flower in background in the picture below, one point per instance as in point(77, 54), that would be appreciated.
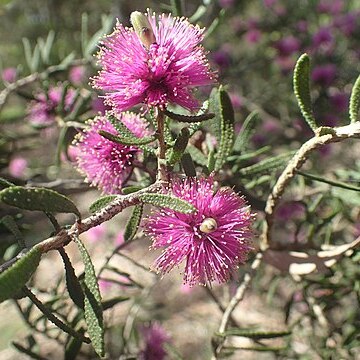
point(155, 338)
point(41, 111)
point(236, 100)
point(9, 74)
point(290, 210)
point(332, 7)
point(340, 101)
point(324, 74)
point(98, 106)
point(96, 233)
point(77, 75)
point(226, 3)
point(17, 167)
point(287, 45)
point(253, 36)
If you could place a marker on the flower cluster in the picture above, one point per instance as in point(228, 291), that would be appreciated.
point(42, 110)
point(162, 71)
point(213, 240)
point(107, 164)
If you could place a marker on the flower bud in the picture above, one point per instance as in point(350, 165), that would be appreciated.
point(142, 28)
point(208, 225)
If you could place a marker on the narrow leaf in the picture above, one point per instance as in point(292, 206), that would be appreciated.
point(17, 275)
point(72, 282)
point(5, 183)
point(197, 155)
point(131, 189)
point(189, 118)
point(242, 140)
point(225, 114)
point(127, 140)
point(108, 304)
point(266, 165)
point(41, 199)
point(355, 101)
point(179, 147)
point(211, 161)
point(188, 165)
point(167, 201)
point(256, 334)
point(93, 308)
point(101, 203)
point(133, 223)
point(12, 226)
point(73, 347)
point(301, 82)
point(330, 182)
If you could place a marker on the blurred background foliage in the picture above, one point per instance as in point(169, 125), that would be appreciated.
point(254, 46)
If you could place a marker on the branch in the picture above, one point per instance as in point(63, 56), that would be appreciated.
point(323, 135)
point(65, 236)
point(239, 295)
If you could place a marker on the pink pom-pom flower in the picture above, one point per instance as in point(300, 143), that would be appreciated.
point(106, 164)
point(156, 71)
point(213, 240)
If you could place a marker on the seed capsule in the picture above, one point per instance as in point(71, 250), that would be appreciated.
point(208, 225)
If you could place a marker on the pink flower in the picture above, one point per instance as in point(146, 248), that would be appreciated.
point(17, 167)
point(107, 164)
point(213, 240)
point(96, 233)
point(163, 72)
point(98, 106)
point(42, 110)
point(324, 74)
point(9, 74)
point(253, 36)
point(155, 338)
point(77, 74)
point(287, 45)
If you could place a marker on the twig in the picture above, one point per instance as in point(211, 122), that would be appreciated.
point(239, 295)
point(323, 136)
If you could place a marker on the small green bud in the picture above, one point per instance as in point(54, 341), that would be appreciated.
point(142, 28)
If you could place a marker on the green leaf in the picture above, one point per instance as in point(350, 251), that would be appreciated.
point(188, 165)
point(168, 201)
point(330, 182)
point(242, 140)
point(189, 118)
point(355, 101)
point(41, 199)
point(12, 226)
point(93, 308)
point(224, 114)
point(176, 6)
point(72, 282)
point(267, 165)
point(133, 223)
point(211, 161)
point(127, 140)
point(179, 147)
point(255, 334)
point(131, 189)
point(301, 82)
point(17, 275)
point(73, 347)
point(108, 304)
point(4, 183)
point(101, 203)
point(197, 155)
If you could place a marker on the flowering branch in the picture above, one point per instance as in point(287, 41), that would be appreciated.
point(323, 135)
